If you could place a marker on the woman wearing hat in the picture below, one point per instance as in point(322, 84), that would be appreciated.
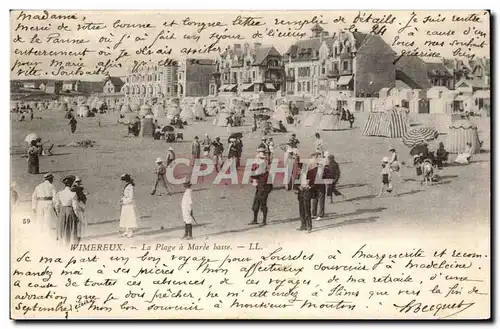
point(34, 158)
point(80, 209)
point(128, 217)
point(66, 205)
point(394, 163)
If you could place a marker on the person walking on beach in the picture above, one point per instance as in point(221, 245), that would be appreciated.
point(239, 151)
point(332, 173)
point(195, 150)
point(34, 158)
point(72, 124)
point(43, 206)
point(262, 190)
point(394, 164)
point(218, 151)
point(81, 204)
point(187, 211)
point(66, 205)
point(319, 145)
point(386, 177)
point(207, 143)
point(128, 217)
point(160, 177)
point(170, 156)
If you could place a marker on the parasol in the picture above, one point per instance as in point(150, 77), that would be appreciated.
point(263, 117)
point(420, 148)
point(419, 135)
point(168, 129)
point(236, 135)
point(31, 137)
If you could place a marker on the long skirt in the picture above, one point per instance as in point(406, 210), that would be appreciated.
point(33, 165)
point(128, 217)
point(68, 226)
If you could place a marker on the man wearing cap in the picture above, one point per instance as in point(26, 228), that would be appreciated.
point(218, 151)
point(262, 190)
point(160, 172)
point(43, 205)
point(195, 150)
point(187, 211)
point(232, 153)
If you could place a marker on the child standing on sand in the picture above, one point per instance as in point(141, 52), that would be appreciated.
point(386, 177)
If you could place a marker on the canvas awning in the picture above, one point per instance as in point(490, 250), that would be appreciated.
point(229, 87)
point(269, 86)
point(344, 80)
point(246, 86)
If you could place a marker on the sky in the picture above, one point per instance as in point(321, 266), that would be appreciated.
point(127, 36)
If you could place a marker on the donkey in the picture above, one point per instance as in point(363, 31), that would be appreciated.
point(427, 173)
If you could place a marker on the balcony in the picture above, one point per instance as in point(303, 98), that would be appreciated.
point(274, 67)
point(290, 77)
point(333, 73)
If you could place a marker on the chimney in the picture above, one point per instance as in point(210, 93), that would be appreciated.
point(246, 47)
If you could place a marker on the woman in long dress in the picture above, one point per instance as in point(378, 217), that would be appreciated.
point(128, 217)
point(34, 158)
point(319, 145)
point(80, 209)
point(66, 204)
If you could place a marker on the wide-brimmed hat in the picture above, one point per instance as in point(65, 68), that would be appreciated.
point(125, 177)
point(391, 148)
point(158, 160)
point(48, 176)
point(78, 179)
point(385, 160)
point(170, 148)
point(68, 180)
point(326, 154)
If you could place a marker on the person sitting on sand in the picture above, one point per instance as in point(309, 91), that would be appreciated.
point(465, 156)
point(281, 128)
point(441, 155)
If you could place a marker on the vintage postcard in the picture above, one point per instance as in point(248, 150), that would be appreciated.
point(250, 164)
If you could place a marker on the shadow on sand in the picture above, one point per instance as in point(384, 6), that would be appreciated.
point(353, 221)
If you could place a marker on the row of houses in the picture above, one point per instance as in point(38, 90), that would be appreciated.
point(107, 86)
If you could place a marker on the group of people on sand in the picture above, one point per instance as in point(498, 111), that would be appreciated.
point(60, 215)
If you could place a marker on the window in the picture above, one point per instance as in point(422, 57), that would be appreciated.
point(168, 90)
point(308, 86)
point(234, 76)
point(335, 66)
point(299, 87)
point(345, 65)
point(323, 69)
point(253, 74)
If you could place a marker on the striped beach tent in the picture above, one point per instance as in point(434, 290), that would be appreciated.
point(394, 124)
point(372, 124)
point(460, 133)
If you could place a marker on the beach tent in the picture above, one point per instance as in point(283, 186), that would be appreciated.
point(392, 124)
point(198, 109)
point(63, 107)
point(145, 111)
point(83, 111)
point(147, 128)
point(372, 124)
point(313, 119)
point(173, 110)
point(330, 121)
point(125, 109)
point(281, 113)
point(187, 113)
point(460, 133)
point(395, 124)
point(134, 107)
point(158, 111)
point(222, 119)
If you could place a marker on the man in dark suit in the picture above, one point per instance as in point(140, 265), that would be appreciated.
point(306, 192)
point(262, 190)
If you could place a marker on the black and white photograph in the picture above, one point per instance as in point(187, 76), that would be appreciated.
point(250, 164)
